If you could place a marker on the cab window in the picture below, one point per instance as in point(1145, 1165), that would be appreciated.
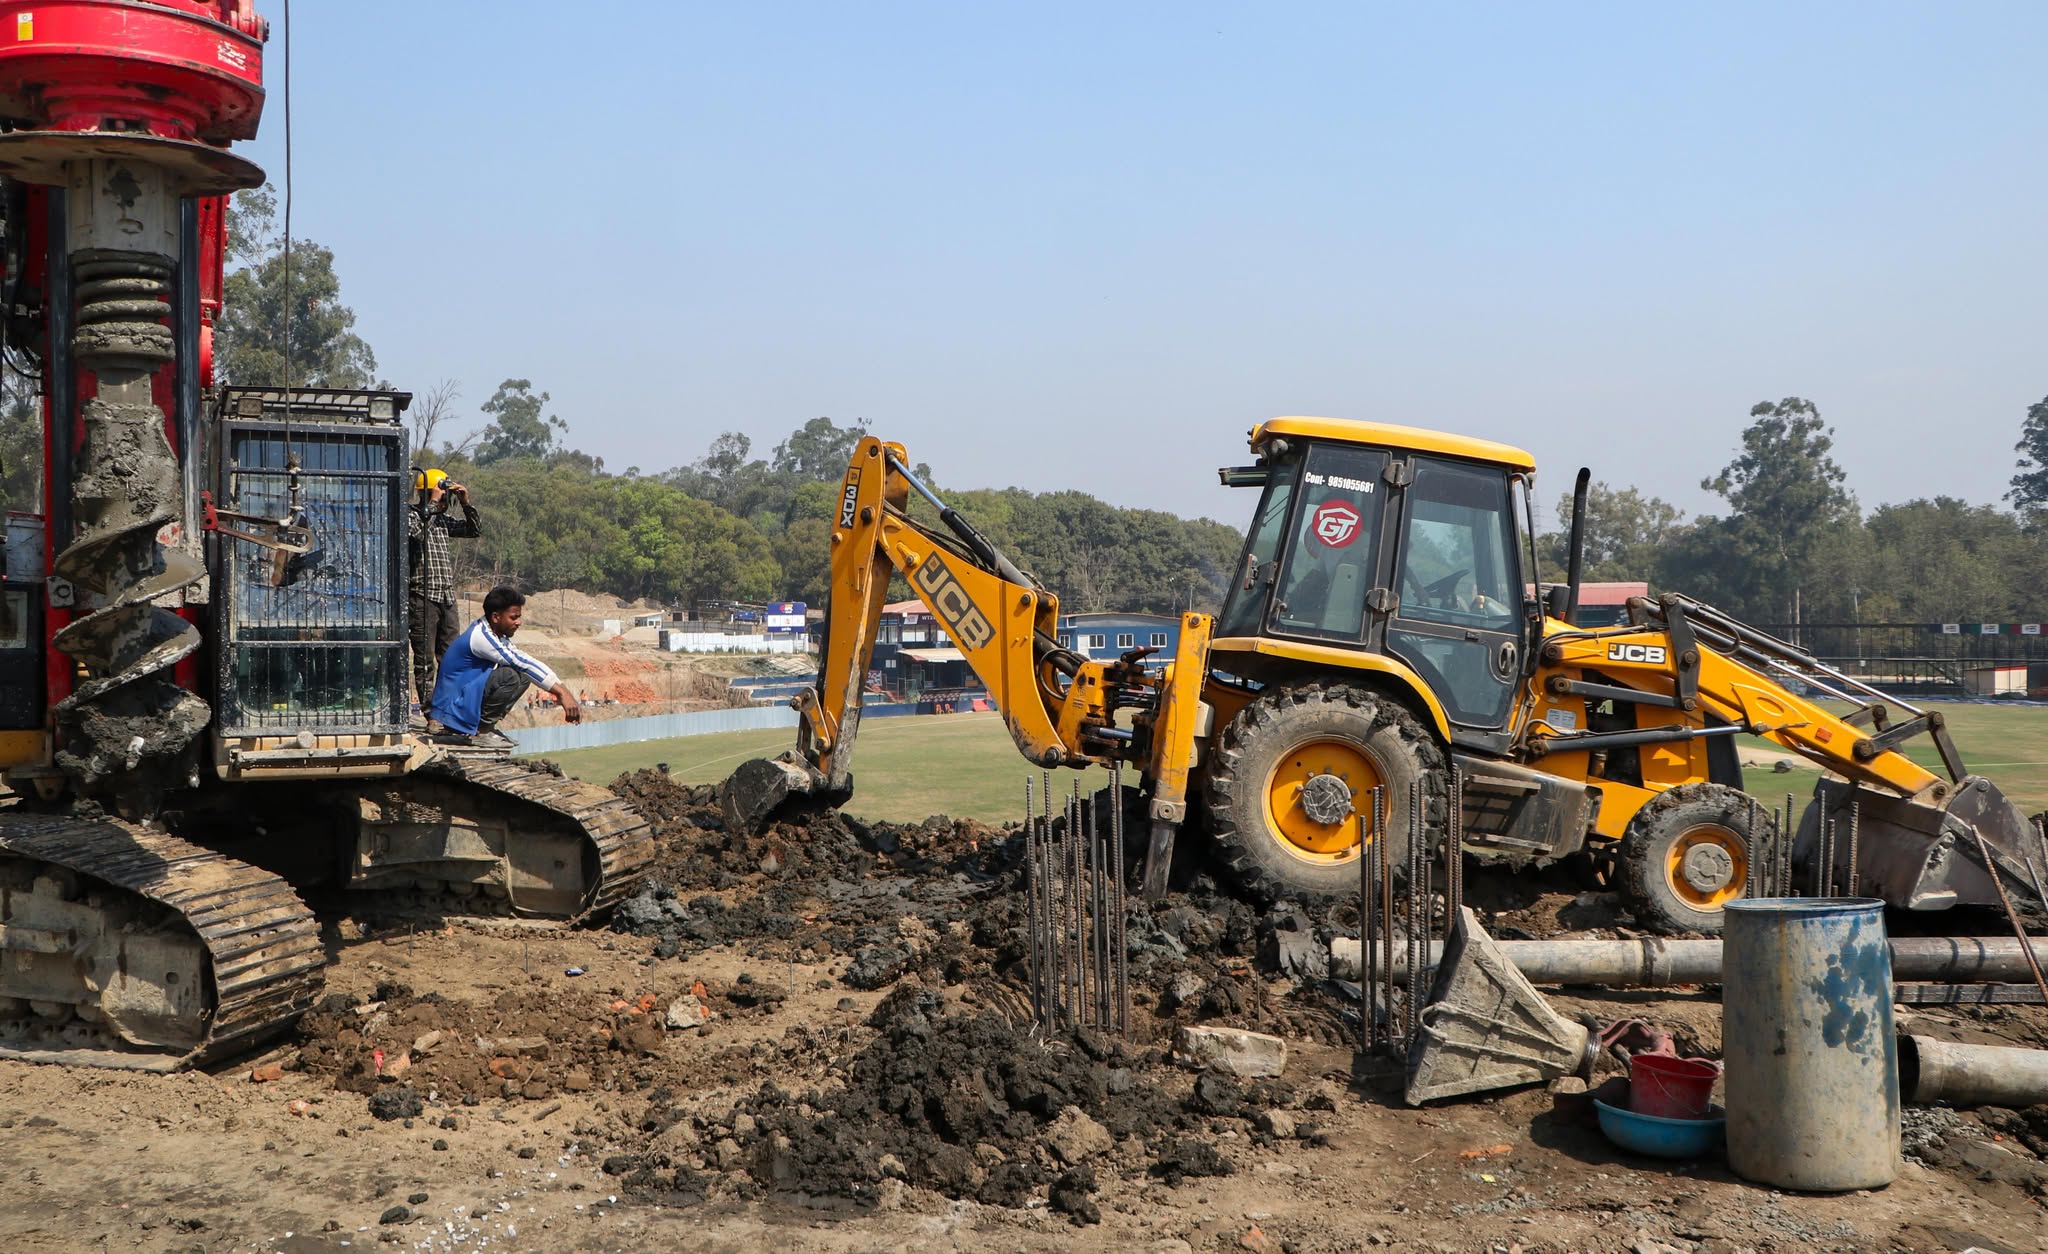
point(1335, 548)
point(1457, 556)
point(1247, 601)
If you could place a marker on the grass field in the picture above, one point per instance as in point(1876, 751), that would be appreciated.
point(966, 765)
point(904, 769)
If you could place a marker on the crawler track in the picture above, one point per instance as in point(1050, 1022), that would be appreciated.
point(127, 947)
point(622, 836)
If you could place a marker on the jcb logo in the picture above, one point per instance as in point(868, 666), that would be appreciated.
point(952, 604)
point(849, 498)
point(1650, 653)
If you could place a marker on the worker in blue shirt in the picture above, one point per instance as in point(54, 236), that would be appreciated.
point(482, 677)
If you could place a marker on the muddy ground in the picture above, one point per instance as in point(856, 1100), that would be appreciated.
point(813, 1040)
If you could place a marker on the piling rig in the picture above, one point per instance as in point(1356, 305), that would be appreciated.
point(1383, 626)
point(204, 627)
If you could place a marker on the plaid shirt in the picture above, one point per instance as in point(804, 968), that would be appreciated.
point(428, 529)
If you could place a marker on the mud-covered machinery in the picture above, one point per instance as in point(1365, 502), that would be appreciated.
point(202, 632)
point(1382, 626)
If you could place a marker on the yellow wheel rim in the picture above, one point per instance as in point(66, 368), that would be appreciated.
point(1290, 779)
point(1707, 866)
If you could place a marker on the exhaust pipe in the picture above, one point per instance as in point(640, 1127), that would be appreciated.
point(1577, 559)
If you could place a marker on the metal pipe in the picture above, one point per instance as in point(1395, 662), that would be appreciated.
point(1627, 739)
point(1653, 962)
point(1576, 559)
point(1971, 1075)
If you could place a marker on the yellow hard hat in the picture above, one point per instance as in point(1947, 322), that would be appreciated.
point(428, 480)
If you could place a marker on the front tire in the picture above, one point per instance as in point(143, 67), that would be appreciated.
point(1686, 855)
point(1292, 775)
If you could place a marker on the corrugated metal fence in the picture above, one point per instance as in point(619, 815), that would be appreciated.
point(620, 731)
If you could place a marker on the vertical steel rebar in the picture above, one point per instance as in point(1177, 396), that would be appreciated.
point(1080, 911)
point(1122, 945)
point(1430, 889)
point(1382, 809)
point(1368, 975)
point(2011, 915)
point(1416, 887)
point(1785, 847)
point(1098, 897)
point(1754, 851)
point(1031, 901)
point(1828, 869)
point(1074, 906)
point(2034, 870)
point(1855, 837)
point(1457, 854)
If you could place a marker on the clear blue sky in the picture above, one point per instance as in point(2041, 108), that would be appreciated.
point(1087, 246)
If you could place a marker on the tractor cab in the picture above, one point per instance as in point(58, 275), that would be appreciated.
point(1392, 550)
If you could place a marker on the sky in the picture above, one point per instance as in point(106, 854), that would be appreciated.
point(1088, 246)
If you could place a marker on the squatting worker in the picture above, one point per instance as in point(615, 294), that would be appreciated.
point(483, 676)
point(431, 581)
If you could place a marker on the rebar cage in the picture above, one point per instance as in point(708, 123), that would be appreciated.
point(312, 641)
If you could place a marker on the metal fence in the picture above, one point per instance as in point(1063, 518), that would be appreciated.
point(622, 731)
point(1967, 642)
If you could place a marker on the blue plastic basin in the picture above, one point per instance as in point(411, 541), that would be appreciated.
point(1661, 1138)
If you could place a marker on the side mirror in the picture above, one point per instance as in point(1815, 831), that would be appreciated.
point(1557, 601)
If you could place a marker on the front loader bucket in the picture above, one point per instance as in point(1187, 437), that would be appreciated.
point(753, 795)
point(1918, 856)
point(1486, 1027)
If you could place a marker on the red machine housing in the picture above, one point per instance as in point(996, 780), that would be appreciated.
point(170, 81)
point(177, 69)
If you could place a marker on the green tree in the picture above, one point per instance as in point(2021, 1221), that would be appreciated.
point(1946, 560)
point(1624, 533)
point(21, 443)
point(1785, 492)
point(520, 427)
point(258, 311)
point(2030, 478)
point(817, 450)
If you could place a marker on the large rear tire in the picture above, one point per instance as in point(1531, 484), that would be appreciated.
point(1686, 855)
point(1294, 771)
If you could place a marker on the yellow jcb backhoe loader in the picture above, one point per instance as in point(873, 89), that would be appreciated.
point(1377, 631)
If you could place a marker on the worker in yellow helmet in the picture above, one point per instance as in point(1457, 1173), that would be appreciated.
point(431, 581)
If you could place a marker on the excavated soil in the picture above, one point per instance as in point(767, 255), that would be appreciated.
point(817, 1038)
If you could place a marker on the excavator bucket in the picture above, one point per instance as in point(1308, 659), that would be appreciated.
point(1918, 856)
point(752, 796)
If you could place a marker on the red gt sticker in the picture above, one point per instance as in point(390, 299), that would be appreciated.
point(1336, 524)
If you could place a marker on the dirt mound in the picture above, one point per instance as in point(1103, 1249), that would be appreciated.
point(943, 900)
point(967, 1105)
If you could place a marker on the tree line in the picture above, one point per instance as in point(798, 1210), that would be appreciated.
point(1794, 545)
point(1791, 543)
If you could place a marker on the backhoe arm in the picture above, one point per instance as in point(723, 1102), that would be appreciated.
point(1003, 623)
point(1060, 707)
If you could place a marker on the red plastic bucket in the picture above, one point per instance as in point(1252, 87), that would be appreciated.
point(1671, 1088)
